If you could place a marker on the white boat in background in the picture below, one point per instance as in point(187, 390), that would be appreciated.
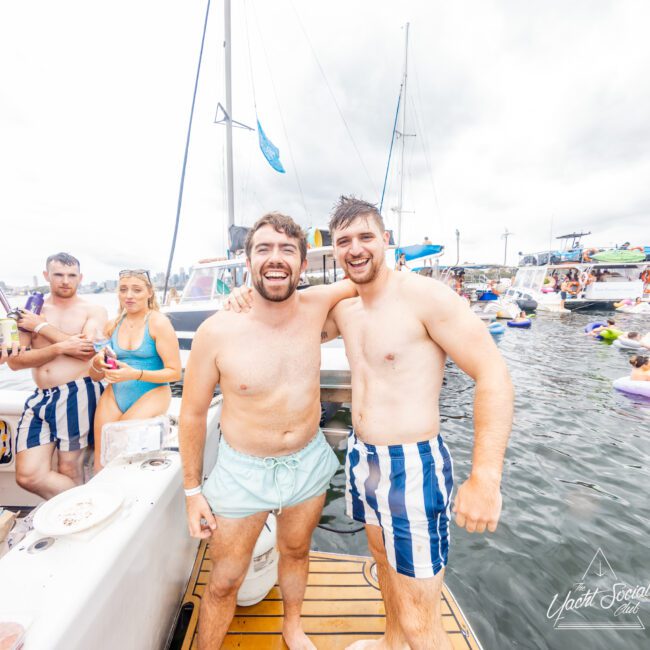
point(612, 283)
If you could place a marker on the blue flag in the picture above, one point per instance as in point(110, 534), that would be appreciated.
point(270, 151)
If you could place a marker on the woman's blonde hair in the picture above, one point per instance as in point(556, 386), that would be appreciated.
point(152, 301)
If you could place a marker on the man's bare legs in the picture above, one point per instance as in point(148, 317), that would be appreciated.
point(34, 470)
point(295, 527)
point(393, 636)
point(413, 609)
point(231, 549)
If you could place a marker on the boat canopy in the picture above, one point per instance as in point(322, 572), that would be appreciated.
point(418, 250)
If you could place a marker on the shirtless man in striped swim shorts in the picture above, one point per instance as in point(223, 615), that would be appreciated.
point(59, 414)
point(398, 333)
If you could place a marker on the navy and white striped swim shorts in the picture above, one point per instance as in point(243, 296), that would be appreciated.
point(63, 415)
point(406, 490)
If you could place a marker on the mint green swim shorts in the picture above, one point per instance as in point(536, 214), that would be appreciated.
point(241, 485)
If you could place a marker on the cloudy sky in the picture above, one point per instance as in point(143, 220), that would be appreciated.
point(531, 116)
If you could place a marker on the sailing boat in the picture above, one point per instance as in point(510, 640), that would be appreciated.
point(123, 582)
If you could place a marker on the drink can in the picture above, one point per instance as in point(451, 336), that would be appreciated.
point(34, 302)
point(8, 332)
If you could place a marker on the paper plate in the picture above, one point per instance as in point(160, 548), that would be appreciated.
point(75, 510)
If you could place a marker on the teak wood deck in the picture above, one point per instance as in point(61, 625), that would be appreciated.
point(342, 604)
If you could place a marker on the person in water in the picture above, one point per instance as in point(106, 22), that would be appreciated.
point(611, 323)
point(640, 367)
point(147, 357)
point(521, 318)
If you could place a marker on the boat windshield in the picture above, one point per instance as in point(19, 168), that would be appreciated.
point(529, 279)
point(213, 282)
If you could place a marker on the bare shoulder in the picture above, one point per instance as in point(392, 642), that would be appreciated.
point(218, 324)
point(96, 312)
point(160, 322)
point(424, 293)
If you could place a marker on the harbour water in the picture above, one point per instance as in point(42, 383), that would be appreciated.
point(576, 479)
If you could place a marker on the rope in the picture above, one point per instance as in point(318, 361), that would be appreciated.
point(187, 148)
point(425, 140)
point(390, 151)
point(338, 108)
point(284, 128)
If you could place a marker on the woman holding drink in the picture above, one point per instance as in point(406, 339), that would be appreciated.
point(138, 356)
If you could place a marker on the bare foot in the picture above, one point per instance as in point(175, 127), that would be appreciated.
point(296, 639)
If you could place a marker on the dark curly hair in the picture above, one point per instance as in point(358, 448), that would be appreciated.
point(281, 223)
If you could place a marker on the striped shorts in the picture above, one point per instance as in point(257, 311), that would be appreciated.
point(63, 415)
point(406, 490)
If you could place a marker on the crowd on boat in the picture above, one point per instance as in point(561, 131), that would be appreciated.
point(265, 357)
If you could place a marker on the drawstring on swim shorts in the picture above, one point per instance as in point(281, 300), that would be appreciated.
point(291, 464)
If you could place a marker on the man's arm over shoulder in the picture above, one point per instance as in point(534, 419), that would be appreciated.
point(332, 297)
point(332, 294)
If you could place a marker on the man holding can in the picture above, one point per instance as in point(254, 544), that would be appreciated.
point(60, 413)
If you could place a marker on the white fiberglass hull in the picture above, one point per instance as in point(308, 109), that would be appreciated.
point(118, 585)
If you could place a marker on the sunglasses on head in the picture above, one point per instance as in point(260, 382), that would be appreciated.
point(124, 272)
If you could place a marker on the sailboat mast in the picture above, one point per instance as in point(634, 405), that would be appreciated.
point(230, 194)
point(403, 134)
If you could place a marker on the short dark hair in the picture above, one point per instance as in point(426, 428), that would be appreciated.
point(638, 360)
point(632, 335)
point(63, 258)
point(281, 223)
point(350, 208)
point(611, 321)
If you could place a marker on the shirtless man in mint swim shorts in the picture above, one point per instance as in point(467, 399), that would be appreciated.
point(398, 333)
point(272, 455)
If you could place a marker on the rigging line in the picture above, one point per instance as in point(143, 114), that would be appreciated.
point(284, 126)
point(187, 148)
point(425, 138)
point(420, 128)
point(338, 108)
point(250, 58)
point(390, 151)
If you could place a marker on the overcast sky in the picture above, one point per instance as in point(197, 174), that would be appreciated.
point(533, 116)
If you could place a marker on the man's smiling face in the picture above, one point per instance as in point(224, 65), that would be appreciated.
point(275, 263)
point(360, 249)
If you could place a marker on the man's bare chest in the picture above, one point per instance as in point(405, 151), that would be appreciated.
point(383, 341)
point(251, 364)
point(69, 321)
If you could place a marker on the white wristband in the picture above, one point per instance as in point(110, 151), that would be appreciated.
point(40, 326)
point(194, 491)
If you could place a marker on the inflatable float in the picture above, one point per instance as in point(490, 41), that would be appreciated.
point(627, 344)
point(610, 334)
point(592, 326)
point(632, 386)
point(524, 324)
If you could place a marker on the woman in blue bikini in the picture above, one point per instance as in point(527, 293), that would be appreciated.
point(148, 358)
